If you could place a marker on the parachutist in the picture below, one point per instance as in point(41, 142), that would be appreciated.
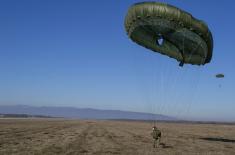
point(219, 76)
point(156, 133)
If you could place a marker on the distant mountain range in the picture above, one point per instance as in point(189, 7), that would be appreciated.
point(86, 113)
point(22, 116)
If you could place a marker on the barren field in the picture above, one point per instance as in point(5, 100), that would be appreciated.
point(51, 136)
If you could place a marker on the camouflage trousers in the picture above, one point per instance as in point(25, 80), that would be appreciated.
point(156, 142)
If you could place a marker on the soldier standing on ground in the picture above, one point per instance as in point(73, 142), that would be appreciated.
point(156, 136)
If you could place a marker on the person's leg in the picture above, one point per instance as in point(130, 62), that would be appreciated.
point(158, 142)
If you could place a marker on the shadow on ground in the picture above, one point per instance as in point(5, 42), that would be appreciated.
point(218, 139)
point(165, 146)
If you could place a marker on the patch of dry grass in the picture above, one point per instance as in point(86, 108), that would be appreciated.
point(51, 136)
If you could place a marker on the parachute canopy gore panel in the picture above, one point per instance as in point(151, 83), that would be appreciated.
point(183, 37)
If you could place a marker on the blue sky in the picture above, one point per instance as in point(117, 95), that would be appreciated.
point(76, 53)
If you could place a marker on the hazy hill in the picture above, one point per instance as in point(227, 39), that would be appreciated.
point(22, 116)
point(71, 112)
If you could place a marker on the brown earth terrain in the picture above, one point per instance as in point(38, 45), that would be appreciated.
point(80, 137)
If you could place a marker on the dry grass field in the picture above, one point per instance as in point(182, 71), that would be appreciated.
point(51, 136)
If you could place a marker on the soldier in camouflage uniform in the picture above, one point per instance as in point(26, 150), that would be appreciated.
point(156, 136)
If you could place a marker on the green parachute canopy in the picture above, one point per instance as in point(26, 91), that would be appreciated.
point(219, 75)
point(170, 31)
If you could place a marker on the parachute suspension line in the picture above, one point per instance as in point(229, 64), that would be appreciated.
point(156, 107)
point(152, 108)
point(151, 117)
point(182, 52)
point(173, 82)
point(193, 86)
point(166, 80)
point(196, 84)
point(158, 88)
point(170, 81)
point(141, 83)
point(178, 76)
point(154, 89)
point(151, 88)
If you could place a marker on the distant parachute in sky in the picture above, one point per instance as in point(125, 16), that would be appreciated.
point(170, 31)
point(219, 75)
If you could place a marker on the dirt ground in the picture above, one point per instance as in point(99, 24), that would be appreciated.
point(77, 137)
